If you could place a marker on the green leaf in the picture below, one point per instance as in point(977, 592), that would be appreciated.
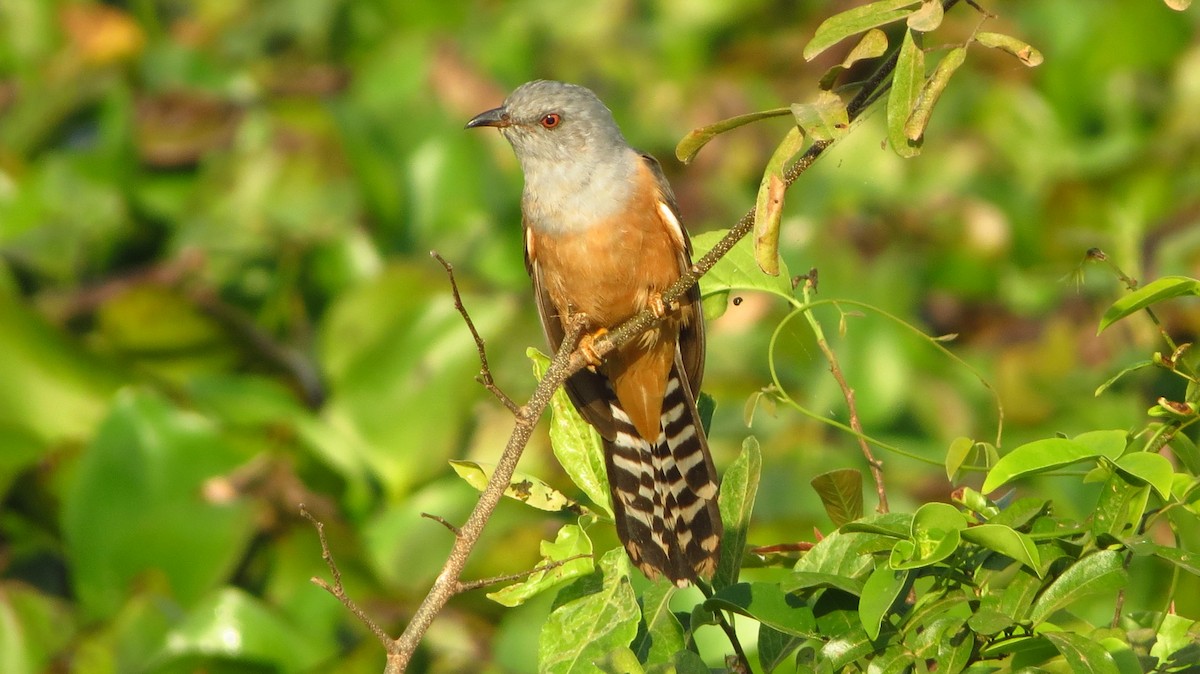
point(1153, 469)
point(687, 148)
point(1008, 542)
point(1109, 444)
point(774, 647)
point(768, 206)
point(960, 448)
point(892, 525)
point(768, 604)
point(851, 22)
point(1021, 512)
point(1022, 50)
point(1083, 655)
point(233, 625)
point(935, 535)
point(1040, 456)
point(571, 541)
point(1098, 572)
point(845, 639)
point(872, 45)
point(810, 580)
point(592, 617)
point(1154, 292)
point(823, 119)
point(879, 594)
point(1188, 561)
point(576, 445)
point(1120, 507)
point(907, 79)
point(660, 635)
point(837, 554)
point(1186, 451)
point(739, 488)
point(620, 661)
point(33, 628)
point(1113, 379)
point(524, 488)
point(914, 127)
point(736, 271)
point(1177, 642)
point(148, 470)
point(841, 494)
point(988, 621)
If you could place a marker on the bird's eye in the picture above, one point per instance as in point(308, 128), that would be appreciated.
point(551, 120)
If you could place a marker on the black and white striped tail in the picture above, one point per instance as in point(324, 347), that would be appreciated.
point(665, 493)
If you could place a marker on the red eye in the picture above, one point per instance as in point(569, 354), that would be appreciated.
point(551, 120)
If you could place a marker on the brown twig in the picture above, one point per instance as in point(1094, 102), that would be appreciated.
point(485, 582)
point(485, 373)
point(336, 589)
point(442, 521)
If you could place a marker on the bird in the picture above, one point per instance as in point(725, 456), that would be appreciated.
point(603, 239)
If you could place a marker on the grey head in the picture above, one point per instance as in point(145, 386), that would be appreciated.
point(577, 164)
point(553, 121)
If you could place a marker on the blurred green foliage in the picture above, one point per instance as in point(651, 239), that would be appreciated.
point(216, 300)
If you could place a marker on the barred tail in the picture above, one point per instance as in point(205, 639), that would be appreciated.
point(665, 493)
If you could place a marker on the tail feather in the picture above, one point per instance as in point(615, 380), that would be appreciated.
point(665, 493)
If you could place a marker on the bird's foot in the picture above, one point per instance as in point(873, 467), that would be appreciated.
point(587, 347)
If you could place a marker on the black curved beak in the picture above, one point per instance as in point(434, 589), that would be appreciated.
point(497, 117)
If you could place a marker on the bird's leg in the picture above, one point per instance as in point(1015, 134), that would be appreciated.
point(587, 347)
point(656, 305)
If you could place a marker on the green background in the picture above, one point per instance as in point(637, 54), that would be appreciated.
point(216, 298)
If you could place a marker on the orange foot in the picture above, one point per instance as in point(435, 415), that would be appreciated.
point(657, 306)
point(587, 347)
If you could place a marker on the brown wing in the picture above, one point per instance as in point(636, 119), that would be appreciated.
point(691, 336)
point(588, 390)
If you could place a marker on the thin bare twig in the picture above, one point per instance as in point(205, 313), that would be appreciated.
point(808, 287)
point(336, 589)
point(485, 582)
point(485, 373)
point(442, 521)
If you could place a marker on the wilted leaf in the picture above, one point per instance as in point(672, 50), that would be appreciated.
point(928, 17)
point(851, 22)
point(524, 488)
point(914, 128)
point(906, 86)
point(1019, 48)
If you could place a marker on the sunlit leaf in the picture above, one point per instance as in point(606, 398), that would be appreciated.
point(960, 448)
point(739, 488)
point(1019, 48)
point(841, 494)
point(1156, 291)
point(1097, 572)
point(1037, 457)
point(768, 207)
point(914, 128)
point(769, 605)
point(1153, 469)
point(1082, 654)
point(851, 22)
point(593, 616)
point(571, 541)
point(524, 488)
point(1007, 541)
point(661, 635)
point(907, 79)
point(879, 593)
point(576, 445)
point(928, 17)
